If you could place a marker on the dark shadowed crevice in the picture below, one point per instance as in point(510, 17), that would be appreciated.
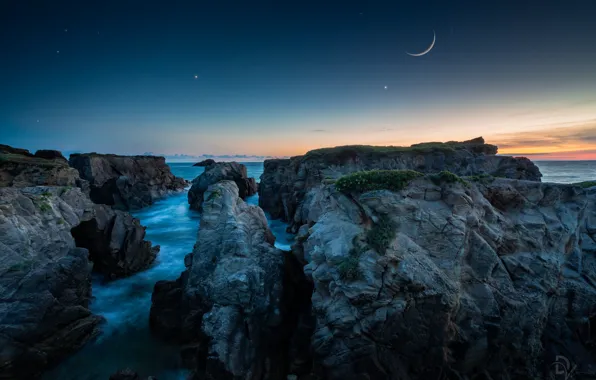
point(88, 235)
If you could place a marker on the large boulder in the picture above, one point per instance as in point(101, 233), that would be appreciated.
point(220, 171)
point(451, 278)
point(115, 241)
point(238, 305)
point(285, 182)
point(20, 168)
point(126, 182)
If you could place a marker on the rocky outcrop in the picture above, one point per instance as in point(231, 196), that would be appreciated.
point(237, 306)
point(220, 171)
point(285, 182)
point(126, 182)
point(47, 236)
point(452, 279)
point(44, 279)
point(207, 162)
point(20, 168)
point(115, 241)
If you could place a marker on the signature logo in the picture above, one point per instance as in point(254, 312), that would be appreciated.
point(562, 369)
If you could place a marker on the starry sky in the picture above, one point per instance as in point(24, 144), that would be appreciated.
point(277, 78)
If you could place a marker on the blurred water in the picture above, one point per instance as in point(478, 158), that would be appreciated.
point(126, 341)
point(567, 171)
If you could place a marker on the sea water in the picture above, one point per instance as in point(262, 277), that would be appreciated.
point(126, 341)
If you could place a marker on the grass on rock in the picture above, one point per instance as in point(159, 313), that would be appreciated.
point(446, 177)
point(586, 184)
point(360, 182)
point(381, 234)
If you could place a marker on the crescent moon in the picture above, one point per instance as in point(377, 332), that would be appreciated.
point(427, 50)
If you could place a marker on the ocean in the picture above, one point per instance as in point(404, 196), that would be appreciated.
point(126, 341)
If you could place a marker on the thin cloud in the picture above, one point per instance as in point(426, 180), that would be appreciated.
point(579, 136)
point(319, 130)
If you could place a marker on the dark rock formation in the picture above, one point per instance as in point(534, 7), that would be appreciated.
point(115, 241)
point(452, 279)
point(126, 182)
point(207, 162)
point(20, 168)
point(44, 279)
point(220, 171)
point(285, 182)
point(128, 374)
point(240, 302)
point(50, 155)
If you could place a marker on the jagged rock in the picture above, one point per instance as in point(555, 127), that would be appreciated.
point(207, 162)
point(240, 300)
point(126, 182)
point(115, 241)
point(285, 182)
point(217, 172)
point(44, 279)
point(490, 279)
point(20, 168)
point(45, 272)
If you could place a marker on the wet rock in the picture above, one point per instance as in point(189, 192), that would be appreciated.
point(285, 182)
point(126, 182)
point(218, 172)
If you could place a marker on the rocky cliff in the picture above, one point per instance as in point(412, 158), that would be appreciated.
point(20, 168)
point(126, 182)
point(44, 279)
point(444, 277)
point(220, 171)
point(285, 182)
point(48, 235)
point(237, 305)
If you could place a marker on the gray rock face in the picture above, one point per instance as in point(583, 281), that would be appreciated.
point(461, 280)
point(20, 168)
point(220, 171)
point(44, 279)
point(126, 182)
point(285, 182)
point(233, 300)
point(45, 282)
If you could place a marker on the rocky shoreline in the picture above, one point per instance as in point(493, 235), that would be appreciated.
point(52, 236)
point(440, 260)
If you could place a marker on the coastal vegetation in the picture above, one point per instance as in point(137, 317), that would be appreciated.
point(393, 180)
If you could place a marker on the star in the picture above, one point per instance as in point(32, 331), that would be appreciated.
point(66, 30)
point(385, 87)
point(57, 51)
point(196, 77)
point(38, 121)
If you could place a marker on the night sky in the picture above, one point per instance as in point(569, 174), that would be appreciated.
point(278, 78)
